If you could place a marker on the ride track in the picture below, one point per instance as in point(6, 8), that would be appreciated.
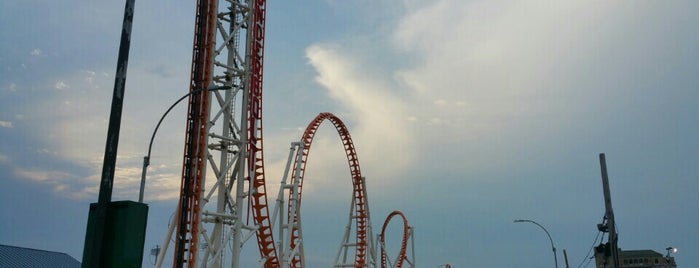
point(404, 241)
point(360, 209)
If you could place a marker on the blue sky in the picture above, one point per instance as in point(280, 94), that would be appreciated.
point(466, 115)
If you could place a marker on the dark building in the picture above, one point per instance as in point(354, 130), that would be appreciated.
point(18, 257)
point(634, 258)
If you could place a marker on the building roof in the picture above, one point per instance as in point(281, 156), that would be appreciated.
point(18, 257)
point(639, 253)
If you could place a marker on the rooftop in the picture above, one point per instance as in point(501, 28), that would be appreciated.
point(19, 257)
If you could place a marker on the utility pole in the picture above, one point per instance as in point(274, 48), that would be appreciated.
point(110, 151)
point(610, 225)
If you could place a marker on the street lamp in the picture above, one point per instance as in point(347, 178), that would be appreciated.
point(555, 258)
point(146, 159)
point(670, 250)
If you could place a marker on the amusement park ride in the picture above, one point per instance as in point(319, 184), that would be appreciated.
point(223, 140)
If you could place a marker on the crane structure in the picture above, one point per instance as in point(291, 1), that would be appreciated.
point(215, 219)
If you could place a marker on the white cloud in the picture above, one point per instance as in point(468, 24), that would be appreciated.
point(464, 71)
point(89, 76)
point(12, 87)
point(374, 115)
point(41, 175)
point(440, 102)
point(60, 85)
point(6, 124)
point(36, 52)
point(78, 122)
point(485, 65)
point(47, 151)
point(163, 181)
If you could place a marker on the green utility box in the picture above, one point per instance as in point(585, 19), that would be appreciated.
point(124, 234)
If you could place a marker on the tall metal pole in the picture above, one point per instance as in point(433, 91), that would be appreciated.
point(609, 213)
point(110, 151)
point(555, 258)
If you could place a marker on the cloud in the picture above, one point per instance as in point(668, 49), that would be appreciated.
point(40, 176)
point(468, 66)
point(60, 85)
point(69, 121)
point(163, 181)
point(89, 77)
point(375, 116)
point(71, 134)
point(36, 52)
point(440, 102)
point(478, 77)
point(77, 125)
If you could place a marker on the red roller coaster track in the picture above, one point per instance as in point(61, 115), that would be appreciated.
point(360, 201)
point(193, 163)
point(403, 245)
point(255, 164)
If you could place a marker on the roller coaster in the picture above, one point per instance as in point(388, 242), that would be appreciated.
point(223, 138)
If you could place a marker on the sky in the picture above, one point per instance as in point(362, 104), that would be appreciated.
point(466, 115)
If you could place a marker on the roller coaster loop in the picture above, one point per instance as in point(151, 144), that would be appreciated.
point(403, 245)
point(360, 208)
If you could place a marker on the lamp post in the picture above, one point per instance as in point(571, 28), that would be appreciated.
point(555, 258)
point(146, 162)
point(146, 159)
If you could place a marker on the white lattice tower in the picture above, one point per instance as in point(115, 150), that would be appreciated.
point(232, 207)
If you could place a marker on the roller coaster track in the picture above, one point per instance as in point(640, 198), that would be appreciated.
point(194, 160)
point(255, 161)
point(360, 208)
point(407, 233)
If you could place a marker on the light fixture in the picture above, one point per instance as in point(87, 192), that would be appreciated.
point(670, 250)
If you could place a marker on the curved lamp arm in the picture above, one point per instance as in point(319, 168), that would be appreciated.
point(555, 258)
point(146, 159)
